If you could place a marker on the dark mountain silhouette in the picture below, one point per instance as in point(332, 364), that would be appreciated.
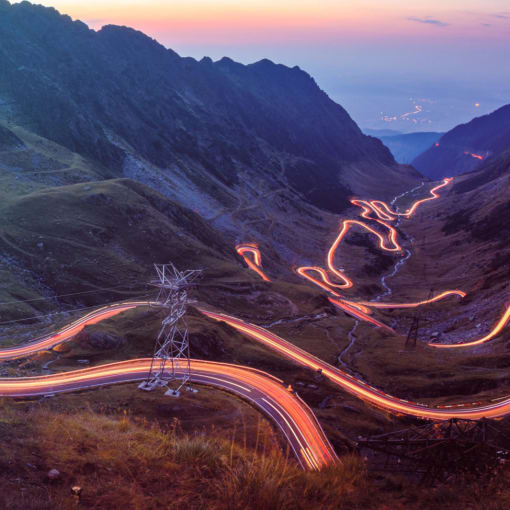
point(467, 146)
point(406, 147)
point(120, 98)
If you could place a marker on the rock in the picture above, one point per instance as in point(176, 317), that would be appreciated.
point(101, 339)
point(76, 490)
point(53, 474)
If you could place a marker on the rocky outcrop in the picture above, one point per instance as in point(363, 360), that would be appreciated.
point(101, 340)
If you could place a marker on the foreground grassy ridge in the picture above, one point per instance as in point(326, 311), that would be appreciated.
point(122, 461)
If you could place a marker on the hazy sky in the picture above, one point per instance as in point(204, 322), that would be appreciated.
point(434, 60)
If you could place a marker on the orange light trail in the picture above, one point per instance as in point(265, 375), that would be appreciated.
point(326, 283)
point(287, 410)
point(362, 309)
point(67, 333)
point(359, 312)
point(375, 304)
point(475, 411)
point(384, 213)
point(256, 264)
point(412, 210)
point(476, 156)
point(496, 330)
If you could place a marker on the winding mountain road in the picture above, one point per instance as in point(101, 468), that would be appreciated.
point(499, 407)
point(287, 410)
point(362, 310)
point(292, 416)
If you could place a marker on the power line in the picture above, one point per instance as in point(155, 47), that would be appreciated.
point(63, 311)
point(61, 295)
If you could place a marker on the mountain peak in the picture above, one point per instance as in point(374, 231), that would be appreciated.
point(118, 94)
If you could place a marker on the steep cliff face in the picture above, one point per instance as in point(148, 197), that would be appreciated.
point(120, 98)
point(468, 146)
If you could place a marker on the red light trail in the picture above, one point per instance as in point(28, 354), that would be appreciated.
point(256, 264)
point(476, 156)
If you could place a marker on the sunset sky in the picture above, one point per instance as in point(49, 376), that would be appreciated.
point(378, 58)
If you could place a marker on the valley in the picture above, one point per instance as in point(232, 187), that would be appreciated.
point(343, 295)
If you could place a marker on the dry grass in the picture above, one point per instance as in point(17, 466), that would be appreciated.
point(126, 462)
point(123, 462)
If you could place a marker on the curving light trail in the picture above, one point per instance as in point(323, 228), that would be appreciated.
point(416, 204)
point(473, 155)
point(256, 264)
point(442, 295)
point(290, 413)
point(388, 242)
point(495, 331)
point(287, 410)
point(362, 390)
point(324, 282)
point(251, 255)
point(67, 333)
point(362, 309)
point(360, 312)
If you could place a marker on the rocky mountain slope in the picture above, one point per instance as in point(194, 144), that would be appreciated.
point(122, 99)
point(467, 146)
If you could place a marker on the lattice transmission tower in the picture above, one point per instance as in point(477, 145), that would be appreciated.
point(171, 359)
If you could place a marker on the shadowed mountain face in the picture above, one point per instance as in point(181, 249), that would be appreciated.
point(468, 146)
point(406, 147)
point(8, 140)
point(120, 98)
point(491, 170)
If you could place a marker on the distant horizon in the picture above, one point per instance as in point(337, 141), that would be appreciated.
point(426, 67)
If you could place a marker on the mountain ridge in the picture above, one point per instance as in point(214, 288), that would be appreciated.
point(117, 92)
point(467, 146)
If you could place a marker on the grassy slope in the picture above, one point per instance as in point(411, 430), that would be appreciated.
point(121, 460)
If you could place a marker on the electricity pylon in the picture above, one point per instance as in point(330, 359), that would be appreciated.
point(171, 359)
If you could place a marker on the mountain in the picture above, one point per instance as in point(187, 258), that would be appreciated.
point(406, 147)
point(118, 97)
point(381, 132)
point(487, 173)
point(465, 147)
